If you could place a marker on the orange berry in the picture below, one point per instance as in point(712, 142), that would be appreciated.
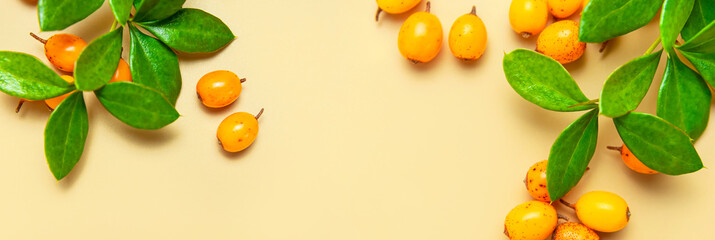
point(574, 231)
point(528, 17)
point(219, 88)
point(420, 37)
point(536, 182)
point(238, 131)
point(632, 162)
point(62, 50)
point(560, 42)
point(52, 103)
point(563, 8)
point(468, 36)
point(123, 73)
point(395, 6)
point(531, 220)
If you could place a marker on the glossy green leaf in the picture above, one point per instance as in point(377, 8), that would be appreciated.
point(65, 135)
point(155, 65)
point(658, 144)
point(152, 10)
point(543, 81)
point(24, 76)
point(625, 88)
point(672, 20)
point(191, 30)
point(703, 42)
point(60, 14)
point(137, 105)
point(570, 154)
point(703, 14)
point(684, 98)
point(121, 10)
point(98, 61)
point(704, 63)
point(606, 19)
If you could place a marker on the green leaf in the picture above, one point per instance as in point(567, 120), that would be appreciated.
point(121, 10)
point(704, 63)
point(191, 30)
point(98, 61)
point(543, 81)
point(60, 14)
point(24, 76)
point(152, 10)
point(137, 105)
point(606, 19)
point(672, 19)
point(570, 155)
point(684, 98)
point(658, 144)
point(703, 14)
point(703, 42)
point(624, 90)
point(65, 135)
point(155, 65)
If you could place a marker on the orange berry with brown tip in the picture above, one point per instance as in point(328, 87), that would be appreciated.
point(123, 73)
point(62, 50)
point(536, 181)
point(219, 88)
point(528, 17)
point(420, 37)
point(560, 42)
point(532, 220)
point(632, 162)
point(238, 131)
point(574, 231)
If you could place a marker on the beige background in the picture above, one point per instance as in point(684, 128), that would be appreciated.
point(355, 143)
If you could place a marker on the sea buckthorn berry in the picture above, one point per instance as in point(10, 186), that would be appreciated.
point(574, 231)
point(528, 17)
point(52, 103)
point(219, 88)
point(238, 131)
point(560, 42)
point(420, 37)
point(531, 220)
point(62, 50)
point(632, 162)
point(536, 182)
point(123, 73)
point(602, 211)
point(563, 8)
point(468, 36)
point(394, 6)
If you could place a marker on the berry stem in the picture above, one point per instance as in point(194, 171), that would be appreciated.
point(19, 105)
point(377, 14)
point(474, 10)
point(428, 7)
point(243, 80)
point(42, 40)
point(259, 114)
point(653, 46)
point(567, 204)
point(562, 217)
point(603, 46)
point(614, 148)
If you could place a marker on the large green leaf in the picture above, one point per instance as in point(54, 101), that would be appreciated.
point(672, 19)
point(152, 10)
point(606, 19)
point(65, 135)
point(154, 65)
point(658, 144)
point(121, 10)
point(703, 14)
point(704, 63)
point(684, 98)
point(570, 155)
point(60, 14)
point(191, 30)
point(137, 105)
point(98, 61)
point(703, 42)
point(624, 90)
point(24, 76)
point(543, 81)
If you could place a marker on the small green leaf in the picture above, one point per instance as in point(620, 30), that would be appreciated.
point(137, 105)
point(543, 81)
point(658, 144)
point(606, 19)
point(60, 14)
point(624, 90)
point(570, 155)
point(98, 61)
point(703, 42)
point(152, 10)
point(65, 135)
point(121, 10)
point(24, 76)
point(684, 98)
point(704, 63)
point(155, 65)
point(191, 30)
point(703, 14)
point(672, 19)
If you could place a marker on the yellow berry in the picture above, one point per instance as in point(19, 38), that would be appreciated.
point(602, 211)
point(563, 8)
point(238, 131)
point(632, 162)
point(528, 17)
point(574, 231)
point(395, 6)
point(536, 182)
point(219, 88)
point(560, 42)
point(420, 37)
point(468, 36)
point(531, 220)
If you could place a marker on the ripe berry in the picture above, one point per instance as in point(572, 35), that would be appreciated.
point(560, 42)
point(123, 73)
point(468, 36)
point(62, 50)
point(420, 37)
point(632, 162)
point(219, 88)
point(536, 182)
point(394, 6)
point(602, 211)
point(574, 231)
point(563, 8)
point(531, 220)
point(238, 131)
point(528, 17)
point(52, 103)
